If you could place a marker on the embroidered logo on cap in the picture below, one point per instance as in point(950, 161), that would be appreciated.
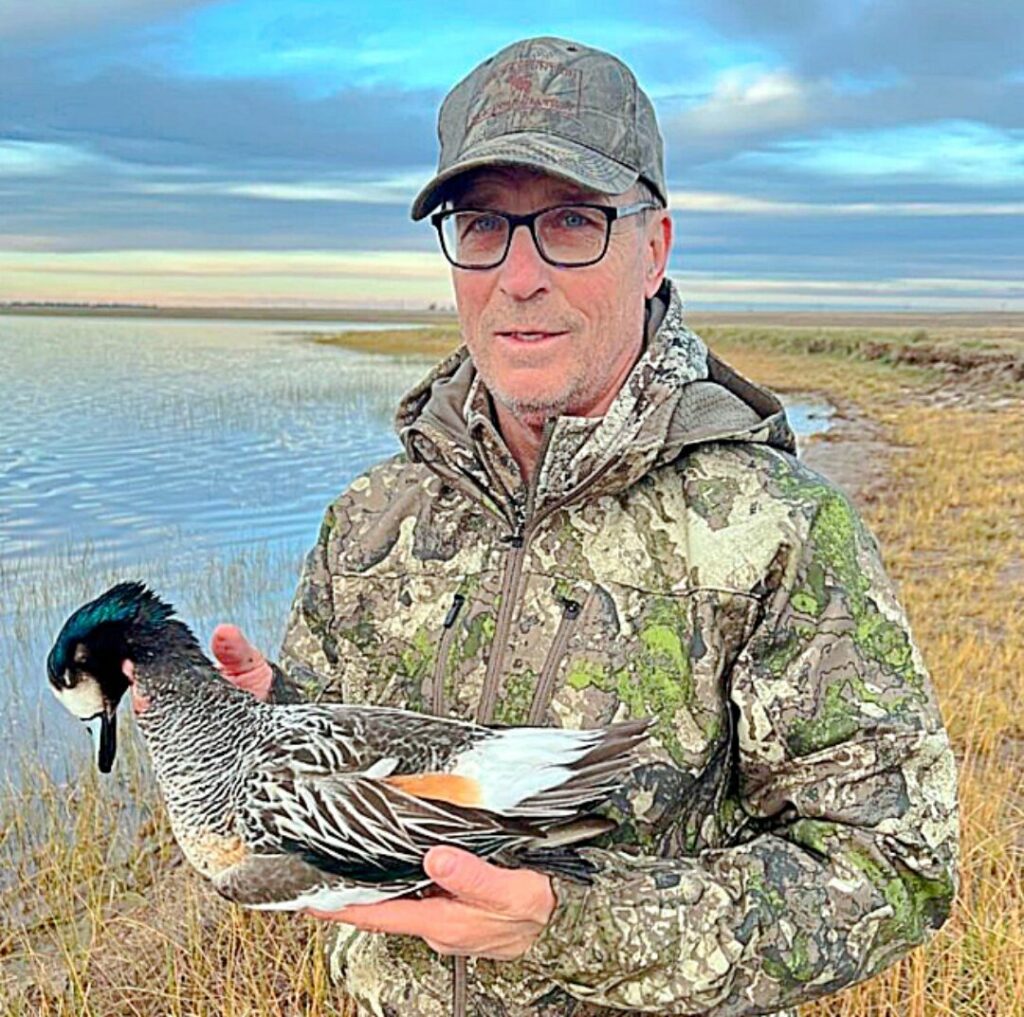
point(529, 85)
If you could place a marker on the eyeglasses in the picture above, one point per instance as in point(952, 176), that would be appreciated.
point(566, 236)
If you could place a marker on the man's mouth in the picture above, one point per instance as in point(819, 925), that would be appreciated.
point(527, 336)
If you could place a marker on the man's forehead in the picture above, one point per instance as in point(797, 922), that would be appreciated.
point(499, 181)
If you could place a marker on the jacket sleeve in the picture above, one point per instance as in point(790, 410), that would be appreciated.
point(845, 771)
point(309, 667)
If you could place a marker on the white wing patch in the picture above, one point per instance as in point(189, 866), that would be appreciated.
point(520, 763)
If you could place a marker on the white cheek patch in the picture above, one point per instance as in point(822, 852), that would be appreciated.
point(95, 728)
point(85, 700)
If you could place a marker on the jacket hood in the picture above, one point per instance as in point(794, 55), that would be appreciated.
point(678, 395)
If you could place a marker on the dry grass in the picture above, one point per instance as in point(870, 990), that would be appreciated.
point(951, 526)
point(422, 343)
point(95, 919)
point(103, 918)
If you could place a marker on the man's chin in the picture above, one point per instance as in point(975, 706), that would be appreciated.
point(534, 413)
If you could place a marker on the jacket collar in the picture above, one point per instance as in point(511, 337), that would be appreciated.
point(677, 395)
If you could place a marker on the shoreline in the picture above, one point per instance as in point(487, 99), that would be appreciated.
point(855, 452)
point(1009, 321)
point(283, 314)
point(932, 457)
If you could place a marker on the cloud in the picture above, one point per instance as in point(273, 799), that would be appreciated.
point(927, 37)
point(957, 152)
point(718, 202)
point(133, 115)
point(203, 277)
point(744, 102)
point(325, 264)
point(899, 293)
point(40, 20)
point(42, 159)
point(753, 108)
point(396, 190)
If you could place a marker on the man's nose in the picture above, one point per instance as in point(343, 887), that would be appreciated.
point(523, 272)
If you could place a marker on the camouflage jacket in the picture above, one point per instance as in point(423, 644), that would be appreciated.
point(791, 827)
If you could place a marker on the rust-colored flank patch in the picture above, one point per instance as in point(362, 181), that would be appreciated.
point(444, 787)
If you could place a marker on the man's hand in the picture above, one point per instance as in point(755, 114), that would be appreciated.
point(240, 662)
point(491, 911)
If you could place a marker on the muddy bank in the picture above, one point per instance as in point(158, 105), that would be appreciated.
point(854, 452)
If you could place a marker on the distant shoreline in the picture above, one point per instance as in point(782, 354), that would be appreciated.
point(367, 314)
point(425, 316)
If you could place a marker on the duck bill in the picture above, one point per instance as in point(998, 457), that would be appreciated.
point(104, 736)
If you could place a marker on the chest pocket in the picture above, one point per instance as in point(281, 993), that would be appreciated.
point(416, 640)
point(632, 653)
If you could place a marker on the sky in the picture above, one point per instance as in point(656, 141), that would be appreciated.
point(861, 154)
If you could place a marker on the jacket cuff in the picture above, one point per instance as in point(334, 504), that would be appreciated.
point(548, 949)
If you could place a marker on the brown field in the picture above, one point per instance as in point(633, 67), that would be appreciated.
point(96, 921)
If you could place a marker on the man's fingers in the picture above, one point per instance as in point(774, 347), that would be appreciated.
point(399, 917)
point(447, 925)
point(465, 875)
point(517, 892)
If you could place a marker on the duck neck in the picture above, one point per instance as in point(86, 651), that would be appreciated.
point(198, 729)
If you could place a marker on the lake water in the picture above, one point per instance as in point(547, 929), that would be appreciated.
point(196, 455)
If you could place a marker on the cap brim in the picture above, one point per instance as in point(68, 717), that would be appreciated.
point(547, 152)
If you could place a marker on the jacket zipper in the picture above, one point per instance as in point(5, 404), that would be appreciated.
point(542, 694)
point(447, 635)
point(510, 585)
point(509, 594)
point(489, 693)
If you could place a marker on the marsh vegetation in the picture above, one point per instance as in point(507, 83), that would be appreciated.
point(97, 915)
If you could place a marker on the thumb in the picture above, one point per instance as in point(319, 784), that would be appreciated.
point(239, 661)
point(463, 874)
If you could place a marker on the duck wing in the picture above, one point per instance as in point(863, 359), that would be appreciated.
point(366, 829)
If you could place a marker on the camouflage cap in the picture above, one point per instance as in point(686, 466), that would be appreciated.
point(554, 105)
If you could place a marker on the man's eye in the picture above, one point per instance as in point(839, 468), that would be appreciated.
point(484, 224)
point(575, 219)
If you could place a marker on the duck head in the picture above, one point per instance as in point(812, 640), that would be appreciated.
point(92, 662)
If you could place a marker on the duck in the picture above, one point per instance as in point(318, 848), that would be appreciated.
point(315, 805)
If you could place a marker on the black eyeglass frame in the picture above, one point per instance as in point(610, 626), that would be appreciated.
point(611, 214)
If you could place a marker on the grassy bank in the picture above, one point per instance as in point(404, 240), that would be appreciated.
point(423, 343)
point(941, 342)
point(97, 919)
point(951, 527)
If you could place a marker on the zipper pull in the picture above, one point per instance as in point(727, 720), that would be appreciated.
point(572, 608)
point(453, 611)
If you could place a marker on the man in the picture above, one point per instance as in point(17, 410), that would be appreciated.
point(595, 518)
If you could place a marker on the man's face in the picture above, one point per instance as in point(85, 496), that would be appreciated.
point(586, 323)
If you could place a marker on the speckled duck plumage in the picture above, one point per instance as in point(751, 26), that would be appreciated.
point(307, 805)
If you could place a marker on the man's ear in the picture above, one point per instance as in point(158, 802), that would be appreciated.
point(657, 248)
